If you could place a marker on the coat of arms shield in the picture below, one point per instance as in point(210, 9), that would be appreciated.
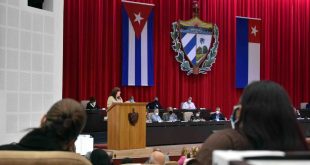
point(195, 43)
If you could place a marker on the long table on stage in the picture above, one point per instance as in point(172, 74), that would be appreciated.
point(167, 133)
point(181, 132)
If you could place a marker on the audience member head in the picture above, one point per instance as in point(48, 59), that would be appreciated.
point(65, 120)
point(157, 157)
point(92, 99)
point(100, 157)
point(267, 115)
point(192, 161)
point(185, 151)
point(116, 92)
point(156, 98)
point(170, 110)
point(127, 160)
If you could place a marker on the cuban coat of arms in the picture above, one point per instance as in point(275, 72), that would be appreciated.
point(195, 43)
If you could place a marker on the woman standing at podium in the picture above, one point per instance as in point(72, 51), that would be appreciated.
point(115, 97)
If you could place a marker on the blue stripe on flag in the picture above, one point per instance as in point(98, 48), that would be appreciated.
point(138, 61)
point(190, 45)
point(242, 53)
point(150, 51)
point(125, 40)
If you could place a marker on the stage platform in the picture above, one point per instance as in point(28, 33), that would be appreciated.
point(171, 150)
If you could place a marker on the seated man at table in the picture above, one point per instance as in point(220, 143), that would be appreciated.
point(92, 105)
point(170, 116)
point(188, 104)
point(217, 115)
point(155, 117)
point(131, 100)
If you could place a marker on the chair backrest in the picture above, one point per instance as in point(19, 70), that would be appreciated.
point(41, 158)
point(165, 116)
point(84, 103)
point(187, 116)
point(303, 105)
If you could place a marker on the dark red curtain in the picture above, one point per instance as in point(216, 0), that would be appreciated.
point(92, 50)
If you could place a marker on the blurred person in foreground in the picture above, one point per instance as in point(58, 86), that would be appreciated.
point(59, 129)
point(100, 157)
point(156, 157)
point(267, 122)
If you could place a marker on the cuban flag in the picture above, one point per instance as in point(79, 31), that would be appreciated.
point(137, 44)
point(247, 51)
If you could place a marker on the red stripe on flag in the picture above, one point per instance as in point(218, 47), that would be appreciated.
point(138, 15)
point(254, 30)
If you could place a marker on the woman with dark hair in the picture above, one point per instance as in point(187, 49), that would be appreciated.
point(115, 97)
point(267, 122)
point(59, 129)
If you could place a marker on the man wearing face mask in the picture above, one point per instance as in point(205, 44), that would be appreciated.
point(92, 105)
point(170, 116)
point(154, 104)
point(217, 116)
point(131, 100)
point(188, 104)
point(155, 117)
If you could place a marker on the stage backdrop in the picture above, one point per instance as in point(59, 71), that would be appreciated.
point(92, 50)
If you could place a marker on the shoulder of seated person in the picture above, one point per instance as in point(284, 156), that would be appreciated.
point(231, 133)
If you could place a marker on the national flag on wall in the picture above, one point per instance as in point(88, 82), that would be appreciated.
point(137, 44)
point(247, 51)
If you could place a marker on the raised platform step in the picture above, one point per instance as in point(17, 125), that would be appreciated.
point(171, 150)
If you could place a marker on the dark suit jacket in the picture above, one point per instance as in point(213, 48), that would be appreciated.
point(221, 116)
point(153, 105)
point(89, 106)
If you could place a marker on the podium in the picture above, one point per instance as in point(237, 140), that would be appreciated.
point(123, 134)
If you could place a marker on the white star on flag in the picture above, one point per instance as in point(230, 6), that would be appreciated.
point(254, 30)
point(138, 18)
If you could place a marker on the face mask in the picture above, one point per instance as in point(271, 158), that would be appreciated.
point(189, 101)
point(197, 114)
point(217, 112)
point(156, 113)
point(170, 112)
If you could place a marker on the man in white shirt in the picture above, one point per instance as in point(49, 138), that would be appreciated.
point(188, 104)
